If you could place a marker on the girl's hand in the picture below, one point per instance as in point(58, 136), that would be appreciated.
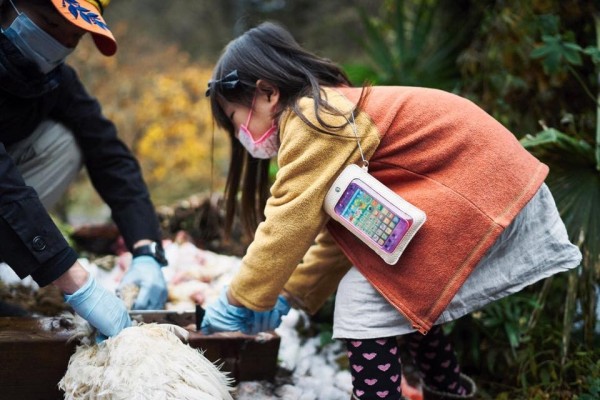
point(222, 316)
point(228, 314)
point(269, 320)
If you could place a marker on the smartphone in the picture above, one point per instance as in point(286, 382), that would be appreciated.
point(371, 216)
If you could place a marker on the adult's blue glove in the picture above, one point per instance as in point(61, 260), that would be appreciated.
point(101, 308)
point(222, 316)
point(269, 320)
point(145, 272)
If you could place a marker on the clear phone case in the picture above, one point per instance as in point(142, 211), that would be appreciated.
point(372, 212)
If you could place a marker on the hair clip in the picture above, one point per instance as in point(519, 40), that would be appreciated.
point(229, 81)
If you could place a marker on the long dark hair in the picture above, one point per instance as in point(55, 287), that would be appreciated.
point(267, 52)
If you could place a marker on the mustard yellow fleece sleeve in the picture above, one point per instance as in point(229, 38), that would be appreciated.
point(309, 161)
point(318, 276)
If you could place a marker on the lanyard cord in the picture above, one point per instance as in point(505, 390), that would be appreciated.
point(362, 155)
point(13, 4)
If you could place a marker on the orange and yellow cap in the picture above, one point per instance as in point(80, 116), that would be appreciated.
point(87, 15)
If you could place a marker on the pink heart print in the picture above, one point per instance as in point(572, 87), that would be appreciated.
point(349, 354)
point(384, 367)
point(430, 356)
point(381, 341)
point(357, 368)
point(369, 356)
point(359, 392)
point(393, 350)
point(395, 378)
point(382, 394)
point(439, 378)
point(446, 364)
point(356, 343)
point(434, 343)
point(371, 382)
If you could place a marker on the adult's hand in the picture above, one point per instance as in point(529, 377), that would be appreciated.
point(145, 272)
point(101, 308)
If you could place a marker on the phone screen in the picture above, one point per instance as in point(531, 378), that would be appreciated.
point(383, 224)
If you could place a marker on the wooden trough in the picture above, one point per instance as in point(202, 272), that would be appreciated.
point(33, 358)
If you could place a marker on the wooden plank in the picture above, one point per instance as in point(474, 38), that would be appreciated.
point(245, 357)
point(33, 359)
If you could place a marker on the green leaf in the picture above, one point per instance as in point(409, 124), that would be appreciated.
point(554, 51)
point(512, 332)
point(552, 143)
point(594, 53)
point(572, 53)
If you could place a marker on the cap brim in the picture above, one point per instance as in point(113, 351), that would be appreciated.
point(85, 16)
point(106, 44)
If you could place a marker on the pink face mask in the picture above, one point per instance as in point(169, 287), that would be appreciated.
point(266, 146)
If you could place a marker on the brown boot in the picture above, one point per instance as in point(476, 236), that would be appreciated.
point(432, 394)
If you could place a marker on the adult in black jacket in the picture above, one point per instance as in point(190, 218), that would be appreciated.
point(49, 127)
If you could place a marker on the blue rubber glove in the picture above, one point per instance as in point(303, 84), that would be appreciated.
point(145, 272)
point(269, 320)
point(222, 316)
point(101, 308)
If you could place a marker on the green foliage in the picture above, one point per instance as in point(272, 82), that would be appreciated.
point(593, 389)
point(558, 50)
point(575, 184)
point(513, 348)
point(574, 179)
point(408, 45)
point(500, 74)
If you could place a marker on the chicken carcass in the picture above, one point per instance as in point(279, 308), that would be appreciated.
point(147, 361)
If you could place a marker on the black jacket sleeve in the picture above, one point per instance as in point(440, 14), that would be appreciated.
point(112, 168)
point(30, 242)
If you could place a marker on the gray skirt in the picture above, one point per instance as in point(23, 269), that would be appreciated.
point(533, 247)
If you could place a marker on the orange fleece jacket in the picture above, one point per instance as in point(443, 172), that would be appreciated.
point(464, 169)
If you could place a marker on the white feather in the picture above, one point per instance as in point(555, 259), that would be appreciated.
point(144, 362)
